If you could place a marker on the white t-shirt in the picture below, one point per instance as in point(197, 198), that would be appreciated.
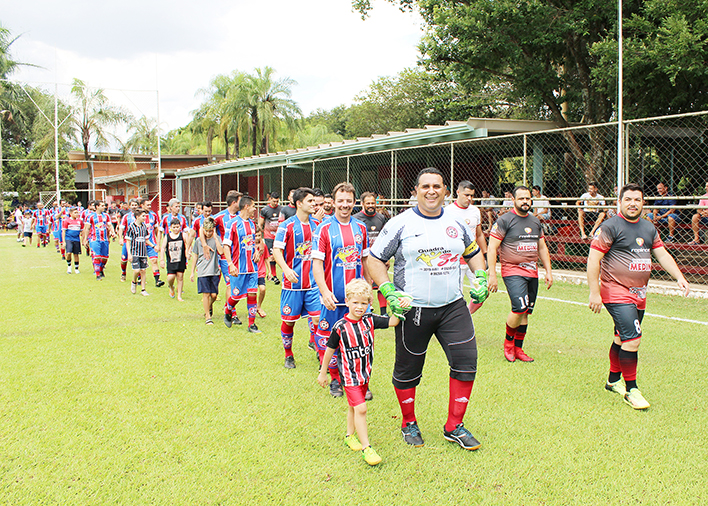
point(589, 200)
point(469, 215)
point(541, 204)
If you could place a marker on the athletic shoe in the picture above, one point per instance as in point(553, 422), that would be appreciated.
point(227, 320)
point(521, 355)
point(159, 283)
point(635, 399)
point(253, 329)
point(616, 387)
point(235, 319)
point(144, 293)
point(352, 442)
point(370, 456)
point(462, 437)
point(411, 434)
point(276, 281)
point(311, 345)
point(369, 395)
point(132, 287)
point(77, 271)
point(509, 353)
point(122, 278)
point(289, 362)
point(68, 270)
point(335, 389)
point(98, 278)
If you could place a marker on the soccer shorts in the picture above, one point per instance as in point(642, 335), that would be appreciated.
point(269, 245)
point(327, 319)
point(57, 235)
point(152, 253)
point(355, 394)
point(27, 234)
point(243, 284)
point(296, 304)
point(522, 291)
point(208, 284)
point(261, 281)
point(628, 320)
point(139, 263)
point(40, 229)
point(73, 247)
point(100, 248)
point(224, 266)
point(454, 330)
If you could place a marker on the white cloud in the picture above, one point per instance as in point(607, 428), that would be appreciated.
point(178, 46)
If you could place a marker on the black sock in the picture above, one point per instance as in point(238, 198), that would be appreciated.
point(383, 310)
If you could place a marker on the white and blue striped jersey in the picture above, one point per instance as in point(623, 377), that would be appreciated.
point(426, 253)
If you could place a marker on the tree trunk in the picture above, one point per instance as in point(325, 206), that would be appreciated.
point(209, 139)
point(237, 145)
point(226, 143)
point(254, 133)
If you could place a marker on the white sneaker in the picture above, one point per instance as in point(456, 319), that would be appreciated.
point(635, 399)
point(68, 270)
point(132, 287)
point(144, 293)
point(77, 271)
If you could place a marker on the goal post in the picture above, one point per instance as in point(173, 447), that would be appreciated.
point(72, 196)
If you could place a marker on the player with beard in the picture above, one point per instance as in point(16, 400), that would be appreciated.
point(374, 222)
point(328, 204)
point(620, 257)
point(518, 237)
point(427, 243)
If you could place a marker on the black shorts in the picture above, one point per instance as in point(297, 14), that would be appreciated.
point(452, 326)
point(269, 245)
point(522, 293)
point(208, 284)
point(27, 234)
point(628, 320)
point(261, 281)
point(73, 247)
point(139, 263)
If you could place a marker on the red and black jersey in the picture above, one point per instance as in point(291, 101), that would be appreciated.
point(519, 236)
point(355, 340)
point(626, 266)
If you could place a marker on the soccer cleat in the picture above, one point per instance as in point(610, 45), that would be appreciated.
point(76, 271)
point(235, 319)
point(462, 437)
point(616, 387)
point(68, 270)
point(122, 278)
point(132, 287)
point(144, 293)
point(276, 281)
point(352, 442)
point(335, 389)
point(411, 434)
point(228, 320)
point(521, 355)
point(635, 399)
point(509, 353)
point(369, 395)
point(370, 456)
point(253, 329)
point(159, 283)
point(289, 361)
point(311, 345)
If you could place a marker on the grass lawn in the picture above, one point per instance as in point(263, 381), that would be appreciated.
point(113, 398)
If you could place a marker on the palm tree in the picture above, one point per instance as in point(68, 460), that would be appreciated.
point(143, 138)
point(270, 106)
point(91, 115)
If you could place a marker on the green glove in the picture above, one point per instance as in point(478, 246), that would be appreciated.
point(394, 299)
point(480, 293)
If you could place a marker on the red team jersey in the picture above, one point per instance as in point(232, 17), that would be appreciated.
point(167, 218)
point(43, 216)
point(222, 223)
point(127, 221)
point(626, 266)
point(355, 341)
point(98, 230)
point(241, 237)
point(262, 259)
point(518, 252)
point(295, 239)
point(341, 248)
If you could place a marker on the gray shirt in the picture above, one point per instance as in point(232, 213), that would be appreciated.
point(206, 267)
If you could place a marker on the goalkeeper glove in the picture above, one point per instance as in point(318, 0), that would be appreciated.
point(394, 299)
point(480, 292)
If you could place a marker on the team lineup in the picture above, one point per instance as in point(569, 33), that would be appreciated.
point(334, 262)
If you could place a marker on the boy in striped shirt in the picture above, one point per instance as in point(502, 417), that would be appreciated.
point(137, 240)
point(353, 336)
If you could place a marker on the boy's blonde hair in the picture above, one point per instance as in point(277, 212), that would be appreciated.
point(358, 287)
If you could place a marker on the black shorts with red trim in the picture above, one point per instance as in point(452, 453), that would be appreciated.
point(628, 320)
point(522, 292)
point(452, 326)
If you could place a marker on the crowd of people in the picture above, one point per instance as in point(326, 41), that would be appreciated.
point(333, 256)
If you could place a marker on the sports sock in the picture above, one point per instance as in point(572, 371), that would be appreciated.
point(311, 324)
point(286, 333)
point(252, 305)
point(457, 404)
point(230, 305)
point(63, 251)
point(97, 266)
point(333, 369)
point(76, 265)
point(68, 261)
point(156, 274)
point(123, 265)
point(104, 261)
point(406, 400)
point(519, 335)
point(628, 363)
point(272, 270)
point(615, 367)
point(510, 333)
point(382, 302)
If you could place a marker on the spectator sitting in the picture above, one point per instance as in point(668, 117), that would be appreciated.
point(507, 204)
point(590, 213)
point(541, 209)
point(701, 217)
point(666, 214)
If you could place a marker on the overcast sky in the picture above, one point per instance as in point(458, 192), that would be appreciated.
point(177, 46)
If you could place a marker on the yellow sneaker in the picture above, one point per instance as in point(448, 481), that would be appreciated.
point(370, 456)
point(635, 399)
point(352, 442)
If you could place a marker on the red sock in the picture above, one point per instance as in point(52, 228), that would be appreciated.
point(272, 270)
point(510, 333)
point(628, 363)
point(123, 265)
point(615, 358)
point(252, 305)
point(286, 334)
point(382, 302)
point(311, 324)
point(230, 304)
point(457, 404)
point(406, 400)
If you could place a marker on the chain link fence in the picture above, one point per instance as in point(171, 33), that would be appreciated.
point(671, 151)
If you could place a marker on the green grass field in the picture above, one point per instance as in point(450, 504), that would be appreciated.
point(111, 398)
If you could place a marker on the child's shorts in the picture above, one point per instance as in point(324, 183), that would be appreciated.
point(208, 284)
point(261, 281)
point(73, 247)
point(139, 263)
point(356, 395)
point(27, 234)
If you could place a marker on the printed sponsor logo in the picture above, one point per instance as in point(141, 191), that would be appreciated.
point(527, 230)
point(640, 265)
point(303, 250)
point(451, 232)
point(437, 257)
point(597, 233)
point(639, 291)
point(410, 400)
point(348, 255)
point(495, 227)
point(527, 246)
point(640, 241)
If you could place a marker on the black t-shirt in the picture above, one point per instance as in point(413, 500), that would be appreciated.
point(271, 215)
point(374, 224)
